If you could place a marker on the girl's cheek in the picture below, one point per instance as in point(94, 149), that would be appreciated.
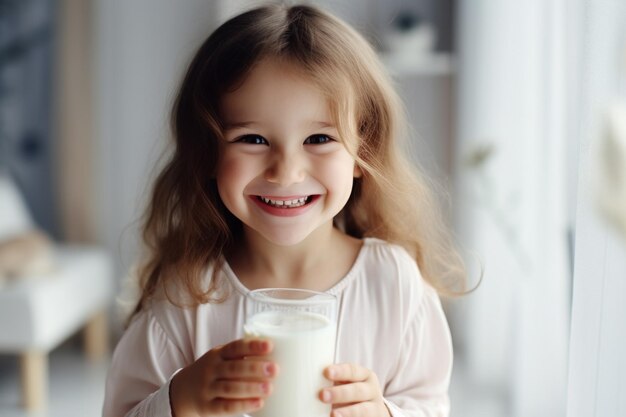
point(230, 164)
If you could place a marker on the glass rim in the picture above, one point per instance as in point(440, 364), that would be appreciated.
point(320, 297)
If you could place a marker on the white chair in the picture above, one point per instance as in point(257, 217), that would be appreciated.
point(37, 313)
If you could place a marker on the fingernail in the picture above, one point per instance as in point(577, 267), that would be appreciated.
point(331, 372)
point(258, 345)
point(337, 414)
point(268, 369)
point(326, 396)
point(265, 387)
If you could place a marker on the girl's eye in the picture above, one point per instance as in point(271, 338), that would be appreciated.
point(253, 140)
point(317, 140)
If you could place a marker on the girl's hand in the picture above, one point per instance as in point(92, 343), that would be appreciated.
point(356, 392)
point(229, 379)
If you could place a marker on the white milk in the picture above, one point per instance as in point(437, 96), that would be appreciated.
point(304, 344)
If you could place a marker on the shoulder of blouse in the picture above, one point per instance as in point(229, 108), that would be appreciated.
point(173, 320)
point(388, 268)
point(394, 259)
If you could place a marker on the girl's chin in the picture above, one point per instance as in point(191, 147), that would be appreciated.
point(287, 238)
point(290, 233)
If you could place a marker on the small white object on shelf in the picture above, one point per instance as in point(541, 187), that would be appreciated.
point(436, 63)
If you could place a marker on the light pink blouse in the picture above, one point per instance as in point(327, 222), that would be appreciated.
point(390, 321)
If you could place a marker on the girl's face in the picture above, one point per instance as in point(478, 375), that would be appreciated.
point(282, 169)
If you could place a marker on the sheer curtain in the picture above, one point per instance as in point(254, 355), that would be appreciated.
point(511, 177)
point(597, 367)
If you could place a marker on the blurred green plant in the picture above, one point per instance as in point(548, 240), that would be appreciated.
point(476, 162)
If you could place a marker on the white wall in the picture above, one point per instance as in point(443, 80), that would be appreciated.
point(142, 47)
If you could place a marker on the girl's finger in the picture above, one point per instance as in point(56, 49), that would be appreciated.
point(348, 372)
point(228, 389)
point(349, 393)
point(239, 368)
point(248, 347)
point(364, 409)
point(223, 406)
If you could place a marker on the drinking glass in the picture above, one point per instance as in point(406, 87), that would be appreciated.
point(302, 325)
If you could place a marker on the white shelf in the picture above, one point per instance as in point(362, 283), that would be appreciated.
point(437, 64)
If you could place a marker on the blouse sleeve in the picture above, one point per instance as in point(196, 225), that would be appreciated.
point(419, 387)
point(143, 364)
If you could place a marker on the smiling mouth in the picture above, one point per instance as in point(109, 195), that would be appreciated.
point(286, 204)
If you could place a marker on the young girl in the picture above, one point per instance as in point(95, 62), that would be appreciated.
point(287, 172)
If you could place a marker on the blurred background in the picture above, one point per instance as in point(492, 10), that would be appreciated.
point(517, 110)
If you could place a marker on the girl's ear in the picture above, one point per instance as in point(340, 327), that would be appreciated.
point(358, 173)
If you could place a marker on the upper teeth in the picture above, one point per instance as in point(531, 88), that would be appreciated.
point(287, 203)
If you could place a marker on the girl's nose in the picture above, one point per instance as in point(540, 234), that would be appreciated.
point(285, 169)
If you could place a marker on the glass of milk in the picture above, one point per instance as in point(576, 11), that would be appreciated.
point(302, 325)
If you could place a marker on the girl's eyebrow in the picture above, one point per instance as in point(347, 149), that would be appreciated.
point(235, 125)
point(323, 124)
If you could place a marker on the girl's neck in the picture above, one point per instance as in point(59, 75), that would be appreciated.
point(316, 263)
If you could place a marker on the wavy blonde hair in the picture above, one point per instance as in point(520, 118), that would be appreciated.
point(187, 228)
